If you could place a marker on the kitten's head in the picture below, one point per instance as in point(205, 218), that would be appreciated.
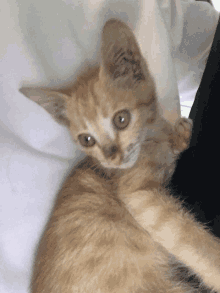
point(109, 108)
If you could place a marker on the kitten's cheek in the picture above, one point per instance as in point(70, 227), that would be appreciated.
point(131, 158)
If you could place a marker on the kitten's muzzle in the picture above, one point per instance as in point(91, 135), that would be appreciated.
point(110, 151)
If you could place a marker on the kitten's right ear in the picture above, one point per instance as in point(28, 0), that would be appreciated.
point(122, 61)
point(52, 101)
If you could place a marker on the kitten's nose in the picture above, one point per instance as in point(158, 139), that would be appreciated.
point(110, 151)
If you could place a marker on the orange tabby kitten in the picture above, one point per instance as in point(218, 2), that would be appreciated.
point(114, 227)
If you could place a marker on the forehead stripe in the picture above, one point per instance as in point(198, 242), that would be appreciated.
point(101, 127)
point(108, 127)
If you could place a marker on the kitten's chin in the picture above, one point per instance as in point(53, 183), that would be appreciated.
point(126, 165)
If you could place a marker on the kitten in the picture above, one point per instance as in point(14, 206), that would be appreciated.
point(114, 226)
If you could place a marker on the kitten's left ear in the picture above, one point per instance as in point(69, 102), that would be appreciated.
point(121, 57)
point(52, 101)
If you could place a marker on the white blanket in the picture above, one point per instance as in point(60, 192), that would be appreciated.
point(45, 43)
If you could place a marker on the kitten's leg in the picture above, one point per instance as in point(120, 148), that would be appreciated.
point(173, 227)
point(93, 245)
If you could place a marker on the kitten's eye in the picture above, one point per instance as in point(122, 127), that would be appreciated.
point(122, 119)
point(86, 140)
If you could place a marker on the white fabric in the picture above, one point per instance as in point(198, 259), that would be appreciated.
point(45, 44)
point(216, 4)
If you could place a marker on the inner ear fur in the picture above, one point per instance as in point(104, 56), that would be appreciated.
point(121, 57)
point(52, 101)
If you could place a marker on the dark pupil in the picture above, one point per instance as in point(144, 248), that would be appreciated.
point(122, 119)
point(87, 138)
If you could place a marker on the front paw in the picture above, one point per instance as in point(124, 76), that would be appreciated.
point(183, 132)
point(183, 127)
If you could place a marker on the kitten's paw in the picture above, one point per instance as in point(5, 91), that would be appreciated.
point(183, 129)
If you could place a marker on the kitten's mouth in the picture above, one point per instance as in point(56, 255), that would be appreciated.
point(151, 140)
point(113, 163)
point(122, 162)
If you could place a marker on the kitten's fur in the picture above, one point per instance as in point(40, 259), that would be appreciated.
point(114, 226)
